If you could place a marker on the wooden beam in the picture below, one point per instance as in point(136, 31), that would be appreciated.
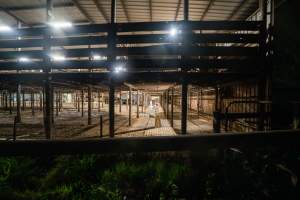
point(83, 12)
point(177, 9)
point(101, 10)
point(125, 10)
point(210, 3)
point(15, 17)
point(237, 9)
point(150, 10)
point(37, 7)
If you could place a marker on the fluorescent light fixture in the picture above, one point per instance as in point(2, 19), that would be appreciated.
point(173, 31)
point(5, 28)
point(119, 69)
point(61, 24)
point(23, 59)
point(58, 58)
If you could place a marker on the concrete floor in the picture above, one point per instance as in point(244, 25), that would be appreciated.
point(69, 123)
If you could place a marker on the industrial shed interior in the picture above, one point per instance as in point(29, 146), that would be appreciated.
point(73, 69)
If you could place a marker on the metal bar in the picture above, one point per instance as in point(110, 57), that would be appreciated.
point(139, 26)
point(281, 139)
point(134, 51)
point(140, 64)
point(143, 38)
point(129, 111)
point(137, 104)
point(172, 107)
point(89, 105)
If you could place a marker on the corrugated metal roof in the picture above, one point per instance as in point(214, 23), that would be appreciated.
point(98, 11)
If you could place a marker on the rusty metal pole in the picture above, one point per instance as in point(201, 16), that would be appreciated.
point(137, 104)
point(130, 102)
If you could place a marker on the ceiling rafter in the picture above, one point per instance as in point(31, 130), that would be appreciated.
point(237, 9)
point(36, 7)
point(210, 3)
point(125, 10)
point(18, 19)
point(77, 4)
point(101, 10)
point(150, 9)
point(177, 9)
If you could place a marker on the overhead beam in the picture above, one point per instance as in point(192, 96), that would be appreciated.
point(86, 15)
point(177, 9)
point(237, 9)
point(125, 10)
point(18, 19)
point(150, 10)
point(101, 10)
point(211, 2)
point(36, 7)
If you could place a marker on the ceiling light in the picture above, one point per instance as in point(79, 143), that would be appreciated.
point(173, 32)
point(5, 28)
point(23, 59)
point(58, 57)
point(98, 57)
point(119, 69)
point(61, 24)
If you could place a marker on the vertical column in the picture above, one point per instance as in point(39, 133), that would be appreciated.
point(111, 109)
point(184, 91)
point(111, 47)
point(60, 100)
point(56, 103)
point(32, 103)
point(82, 103)
point(129, 111)
point(172, 107)
point(102, 100)
point(6, 102)
point(143, 100)
point(78, 102)
point(23, 100)
point(137, 104)
point(120, 108)
point(198, 103)
point(217, 120)
point(10, 102)
point(18, 117)
point(99, 100)
point(167, 104)
point(41, 100)
point(89, 105)
point(47, 83)
point(184, 87)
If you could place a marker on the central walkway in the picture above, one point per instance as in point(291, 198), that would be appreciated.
point(151, 122)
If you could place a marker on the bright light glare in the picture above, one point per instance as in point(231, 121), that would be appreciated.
point(24, 59)
point(173, 32)
point(4, 28)
point(119, 69)
point(98, 57)
point(58, 58)
point(61, 24)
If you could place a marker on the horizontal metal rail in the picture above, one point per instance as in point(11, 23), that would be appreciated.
point(131, 39)
point(284, 139)
point(90, 78)
point(137, 64)
point(137, 26)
